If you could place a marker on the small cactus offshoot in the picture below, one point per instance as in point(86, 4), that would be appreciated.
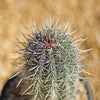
point(51, 63)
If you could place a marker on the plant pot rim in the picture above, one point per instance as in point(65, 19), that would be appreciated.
point(86, 83)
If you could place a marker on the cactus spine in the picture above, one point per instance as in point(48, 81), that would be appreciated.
point(51, 63)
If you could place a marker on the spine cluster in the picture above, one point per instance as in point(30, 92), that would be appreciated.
point(51, 63)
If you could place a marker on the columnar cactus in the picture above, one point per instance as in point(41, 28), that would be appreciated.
point(51, 63)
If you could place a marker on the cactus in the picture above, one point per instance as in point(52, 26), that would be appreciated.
point(50, 61)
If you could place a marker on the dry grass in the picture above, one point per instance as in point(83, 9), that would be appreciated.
point(84, 15)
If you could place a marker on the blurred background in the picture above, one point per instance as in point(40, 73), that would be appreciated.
point(83, 14)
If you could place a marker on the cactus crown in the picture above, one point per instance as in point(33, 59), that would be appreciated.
point(51, 63)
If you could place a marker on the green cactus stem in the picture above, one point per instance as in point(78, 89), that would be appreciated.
point(51, 63)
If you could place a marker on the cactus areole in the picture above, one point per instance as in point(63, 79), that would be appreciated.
point(51, 63)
